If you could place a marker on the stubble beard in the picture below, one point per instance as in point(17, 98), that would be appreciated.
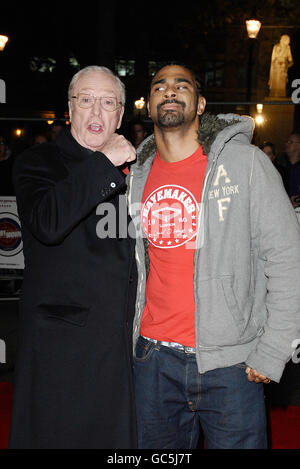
point(171, 119)
point(168, 119)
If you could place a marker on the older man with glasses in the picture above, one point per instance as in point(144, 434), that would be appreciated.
point(73, 385)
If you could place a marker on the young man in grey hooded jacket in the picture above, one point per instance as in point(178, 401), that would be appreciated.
point(218, 301)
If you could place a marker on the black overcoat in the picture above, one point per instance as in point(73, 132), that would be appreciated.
point(73, 385)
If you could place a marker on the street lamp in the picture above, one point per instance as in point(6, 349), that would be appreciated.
point(19, 132)
point(3, 41)
point(140, 103)
point(253, 27)
point(259, 118)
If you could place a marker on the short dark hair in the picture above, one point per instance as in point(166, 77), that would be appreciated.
point(297, 133)
point(268, 144)
point(137, 121)
point(183, 65)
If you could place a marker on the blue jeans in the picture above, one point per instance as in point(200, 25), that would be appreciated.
point(173, 400)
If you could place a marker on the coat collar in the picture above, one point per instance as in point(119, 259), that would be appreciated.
point(70, 147)
point(214, 131)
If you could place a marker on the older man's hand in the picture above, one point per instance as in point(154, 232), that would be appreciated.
point(254, 375)
point(119, 150)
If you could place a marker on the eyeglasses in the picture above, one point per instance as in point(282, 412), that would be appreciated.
point(109, 103)
point(292, 141)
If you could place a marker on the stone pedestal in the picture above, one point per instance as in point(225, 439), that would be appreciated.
point(278, 122)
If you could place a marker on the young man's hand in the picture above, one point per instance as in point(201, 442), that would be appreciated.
point(254, 375)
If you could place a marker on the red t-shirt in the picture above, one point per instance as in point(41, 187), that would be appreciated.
point(169, 216)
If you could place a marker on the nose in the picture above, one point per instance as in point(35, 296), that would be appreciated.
point(96, 108)
point(170, 92)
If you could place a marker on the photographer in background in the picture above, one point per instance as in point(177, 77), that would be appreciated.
point(270, 150)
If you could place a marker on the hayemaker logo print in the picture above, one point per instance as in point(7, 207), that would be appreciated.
point(169, 216)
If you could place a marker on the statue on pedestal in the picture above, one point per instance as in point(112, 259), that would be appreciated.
point(280, 62)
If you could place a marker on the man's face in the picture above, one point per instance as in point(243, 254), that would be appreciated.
point(55, 131)
point(93, 127)
point(292, 146)
point(173, 98)
point(269, 151)
point(138, 134)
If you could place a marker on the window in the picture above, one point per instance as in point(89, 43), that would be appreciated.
point(214, 74)
point(153, 67)
point(48, 64)
point(73, 62)
point(125, 68)
point(42, 64)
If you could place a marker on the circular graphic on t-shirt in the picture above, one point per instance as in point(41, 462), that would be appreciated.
point(10, 235)
point(169, 216)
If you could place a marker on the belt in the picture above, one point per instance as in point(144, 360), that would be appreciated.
point(173, 345)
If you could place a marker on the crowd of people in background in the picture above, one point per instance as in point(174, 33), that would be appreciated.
point(9, 149)
point(287, 163)
point(136, 131)
point(60, 177)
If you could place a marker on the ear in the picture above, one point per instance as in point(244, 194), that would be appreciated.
point(201, 105)
point(148, 108)
point(120, 117)
point(70, 110)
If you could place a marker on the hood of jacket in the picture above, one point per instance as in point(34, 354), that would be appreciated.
point(213, 133)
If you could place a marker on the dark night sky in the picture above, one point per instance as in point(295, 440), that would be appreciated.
point(50, 28)
point(93, 34)
point(57, 29)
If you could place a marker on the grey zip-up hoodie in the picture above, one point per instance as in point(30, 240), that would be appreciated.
point(247, 256)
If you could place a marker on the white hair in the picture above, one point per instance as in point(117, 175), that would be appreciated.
point(97, 68)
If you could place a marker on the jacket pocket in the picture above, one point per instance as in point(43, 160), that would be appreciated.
point(72, 314)
point(222, 322)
